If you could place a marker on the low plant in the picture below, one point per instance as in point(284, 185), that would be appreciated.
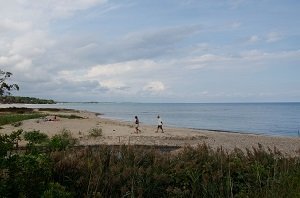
point(13, 118)
point(8, 143)
point(95, 132)
point(17, 124)
point(56, 190)
point(72, 116)
point(35, 137)
point(62, 141)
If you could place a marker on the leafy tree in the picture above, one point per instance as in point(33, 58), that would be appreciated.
point(5, 88)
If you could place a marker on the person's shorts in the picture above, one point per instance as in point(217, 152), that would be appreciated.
point(159, 126)
point(137, 125)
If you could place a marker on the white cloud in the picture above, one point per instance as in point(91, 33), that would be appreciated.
point(205, 60)
point(154, 87)
point(121, 68)
point(65, 8)
point(8, 25)
point(31, 44)
point(24, 65)
point(114, 85)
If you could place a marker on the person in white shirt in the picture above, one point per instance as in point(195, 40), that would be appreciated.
point(159, 124)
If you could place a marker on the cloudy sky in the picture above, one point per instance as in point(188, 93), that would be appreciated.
point(153, 50)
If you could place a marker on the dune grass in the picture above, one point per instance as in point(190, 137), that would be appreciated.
point(129, 171)
point(12, 118)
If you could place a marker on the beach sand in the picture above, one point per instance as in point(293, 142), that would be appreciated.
point(118, 133)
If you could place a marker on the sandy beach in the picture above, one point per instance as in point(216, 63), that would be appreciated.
point(117, 132)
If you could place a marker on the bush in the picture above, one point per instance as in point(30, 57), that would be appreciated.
point(35, 137)
point(17, 124)
point(56, 190)
point(95, 132)
point(62, 141)
point(35, 140)
point(27, 175)
point(8, 143)
point(72, 116)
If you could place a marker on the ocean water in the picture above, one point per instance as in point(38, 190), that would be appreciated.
point(275, 119)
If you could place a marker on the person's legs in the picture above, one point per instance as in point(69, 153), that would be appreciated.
point(136, 128)
point(160, 127)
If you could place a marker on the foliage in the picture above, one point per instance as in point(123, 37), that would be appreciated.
point(16, 110)
point(28, 175)
point(8, 143)
point(72, 116)
point(56, 190)
point(17, 124)
point(35, 140)
point(35, 137)
point(195, 172)
point(12, 118)
point(129, 171)
point(62, 141)
point(95, 132)
point(24, 100)
point(6, 88)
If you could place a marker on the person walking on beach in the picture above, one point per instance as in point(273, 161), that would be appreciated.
point(137, 125)
point(159, 124)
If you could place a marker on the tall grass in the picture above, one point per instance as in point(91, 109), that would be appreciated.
point(195, 172)
point(129, 171)
point(12, 118)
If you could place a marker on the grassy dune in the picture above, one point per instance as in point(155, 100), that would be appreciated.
point(61, 170)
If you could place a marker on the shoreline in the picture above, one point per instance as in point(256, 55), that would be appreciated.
point(115, 132)
point(283, 130)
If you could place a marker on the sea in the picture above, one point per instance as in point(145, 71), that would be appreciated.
point(271, 119)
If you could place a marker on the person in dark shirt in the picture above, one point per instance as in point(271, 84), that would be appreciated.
point(137, 125)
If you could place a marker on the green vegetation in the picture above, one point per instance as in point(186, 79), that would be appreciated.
point(13, 118)
point(62, 141)
point(72, 116)
point(95, 132)
point(15, 115)
point(129, 171)
point(17, 124)
point(24, 100)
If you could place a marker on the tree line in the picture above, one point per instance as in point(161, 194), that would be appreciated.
point(24, 100)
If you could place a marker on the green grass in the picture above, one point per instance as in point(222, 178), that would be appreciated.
point(72, 116)
point(12, 118)
point(128, 171)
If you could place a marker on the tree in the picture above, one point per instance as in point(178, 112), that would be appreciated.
point(5, 88)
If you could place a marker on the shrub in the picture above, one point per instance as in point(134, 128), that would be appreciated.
point(95, 132)
point(8, 142)
point(72, 116)
point(17, 124)
point(62, 141)
point(56, 190)
point(35, 140)
point(35, 137)
point(27, 175)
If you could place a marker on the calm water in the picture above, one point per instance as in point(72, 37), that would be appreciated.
point(277, 119)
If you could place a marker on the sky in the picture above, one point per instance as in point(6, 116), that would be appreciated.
point(152, 50)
